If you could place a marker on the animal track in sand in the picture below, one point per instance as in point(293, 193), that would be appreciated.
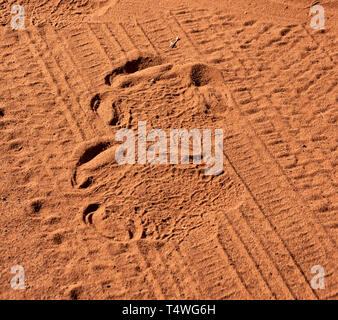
point(134, 201)
point(112, 221)
point(147, 88)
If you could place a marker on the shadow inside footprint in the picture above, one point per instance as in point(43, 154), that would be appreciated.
point(88, 212)
point(112, 222)
point(133, 65)
point(88, 155)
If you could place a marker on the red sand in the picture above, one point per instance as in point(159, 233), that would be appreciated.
point(84, 227)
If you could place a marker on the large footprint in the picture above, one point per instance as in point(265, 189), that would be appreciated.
point(153, 202)
point(147, 88)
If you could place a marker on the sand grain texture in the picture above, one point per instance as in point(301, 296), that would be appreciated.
point(84, 227)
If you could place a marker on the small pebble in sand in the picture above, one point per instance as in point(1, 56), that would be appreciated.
point(173, 43)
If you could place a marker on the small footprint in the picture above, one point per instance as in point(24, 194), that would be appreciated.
point(113, 222)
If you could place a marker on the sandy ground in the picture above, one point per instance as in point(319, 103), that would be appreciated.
point(84, 227)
